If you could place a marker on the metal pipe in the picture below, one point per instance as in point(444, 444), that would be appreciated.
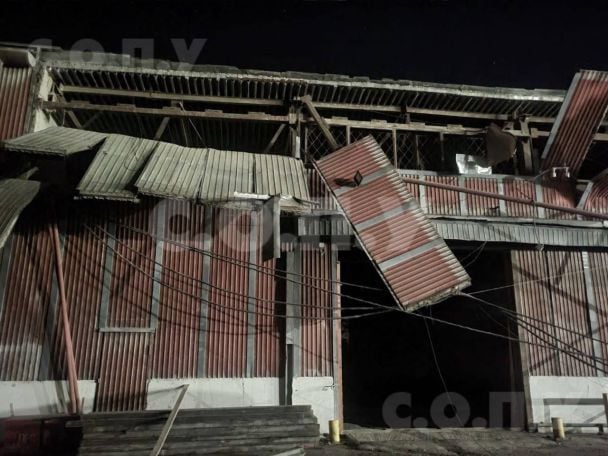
point(67, 333)
point(513, 199)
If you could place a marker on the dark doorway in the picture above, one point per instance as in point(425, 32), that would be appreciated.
point(392, 352)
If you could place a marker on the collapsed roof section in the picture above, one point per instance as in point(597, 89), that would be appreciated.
point(578, 120)
point(406, 249)
point(125, 167)
point(57, 141)
point(15, 195)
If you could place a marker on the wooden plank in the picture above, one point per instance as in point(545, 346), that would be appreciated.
point(320, 122)
point(274, 138)
point(167, 428)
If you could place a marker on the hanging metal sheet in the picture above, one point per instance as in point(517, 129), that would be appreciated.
point(405, 248)
point(15, 195)
point(14, 97)
point(280, 175)
point(578, 120)
point(116, 167)
point(59, 141)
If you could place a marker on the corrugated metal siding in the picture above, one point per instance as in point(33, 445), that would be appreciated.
point(225, 174)
point(226, 353)
point(177, 337)
point(519, 188)
point(115, 168)
point(173, 172)
point(14, 98)
point(598, 198)
point(26, 302)
point(578, 120)
point(560, 193)
point(549, 286)
point(59, 141)
point(280, 175)
point(481, 205)
point(316, 341)
point(439, 201)
point(318, 191)
point(15, 195)
point(131, 283)
point(598, 262)
point(407, 260)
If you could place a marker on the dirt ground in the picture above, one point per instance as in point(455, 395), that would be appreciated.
point(457, 442)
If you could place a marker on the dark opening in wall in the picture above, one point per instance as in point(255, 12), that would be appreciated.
point(391, 354)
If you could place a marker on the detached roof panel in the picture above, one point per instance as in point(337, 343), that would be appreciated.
point(58, 141)
point(280, 175)
point(404, 246)
point(15, 195)
point(115, 168)
point(578, 120)
point(173, 172)
point(226, 173)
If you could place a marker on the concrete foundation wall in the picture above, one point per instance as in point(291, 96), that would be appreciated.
point(576, 400)
point(42, 398)
point(243, 392)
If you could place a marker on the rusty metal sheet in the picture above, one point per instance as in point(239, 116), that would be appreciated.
point(14, 98)
point(15, 195)
point(405, 248)
point(578, 120)
point(58, 141)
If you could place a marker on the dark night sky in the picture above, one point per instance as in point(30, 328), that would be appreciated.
point(511, 43)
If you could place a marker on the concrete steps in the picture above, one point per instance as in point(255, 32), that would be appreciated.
point(250, 430)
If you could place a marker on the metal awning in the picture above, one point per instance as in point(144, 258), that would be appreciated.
point(578, 120)
point(15, 195)
point(405, 248)
point(57, 141)
point(226, 174)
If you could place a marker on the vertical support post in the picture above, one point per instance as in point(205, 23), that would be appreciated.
point(605, 401)
point(106, 282)
point(337, 336)
point(158, 261)
point(442, 148)
point(294, 131)
point(254, 235)
point(67, 333)
point(526, 147)
point(204, 320)
point(462, 197)
point(395, 158)
point(292, 320)
point(417, 147)
point(348, 135)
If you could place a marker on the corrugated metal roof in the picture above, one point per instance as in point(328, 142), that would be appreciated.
point(577, 122)
point(116, 167)
point(15, 195)
point(225, 174)
point(280, 175)
point(173, 172)
point(14, 97)
point(55, 141)
point(407, 251)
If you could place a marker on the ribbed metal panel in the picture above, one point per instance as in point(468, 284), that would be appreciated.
point(316, 323)
point(520, 188)
point(560, 193)
point(280, 175)
point(319, 192)
point(123, 372)
point(549, 286)
point(481, 205)
point(58, 141)
point(599, 274)
point(131, 283)
point(176, 340)
point(173, 172)
point(598, 198)
point(15, 195)
point(441, 201)
point(227, 337)
point(578, 120)
point(115, 168)
point(268, 327)
point(26, 302)
point(415, 263)
point(14, 98)
point(225, 174)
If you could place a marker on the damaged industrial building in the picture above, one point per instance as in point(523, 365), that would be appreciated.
point(294, 247)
